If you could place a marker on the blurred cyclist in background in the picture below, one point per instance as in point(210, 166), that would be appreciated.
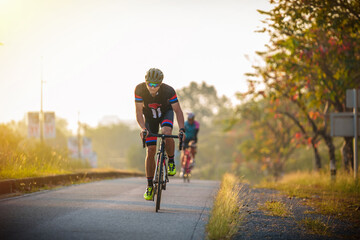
point(192, 128)
point(187, 160)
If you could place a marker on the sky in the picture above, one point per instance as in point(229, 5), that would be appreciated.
point(91, 54)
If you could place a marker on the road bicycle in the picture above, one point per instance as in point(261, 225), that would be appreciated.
point(161, 176)
point(187, 168)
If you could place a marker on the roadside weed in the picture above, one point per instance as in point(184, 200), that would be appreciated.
point(340, 198)
point(315, 226)
point(225, 217)
point(275, 208)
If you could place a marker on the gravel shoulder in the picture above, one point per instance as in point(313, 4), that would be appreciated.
point(258, 224)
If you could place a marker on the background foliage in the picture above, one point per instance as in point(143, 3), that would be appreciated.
point(281, 123)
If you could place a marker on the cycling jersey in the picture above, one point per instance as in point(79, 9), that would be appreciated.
point(155, 107)
point(157, 110)
point(191, 130)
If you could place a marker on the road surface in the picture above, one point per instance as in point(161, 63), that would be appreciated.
point(109, 209)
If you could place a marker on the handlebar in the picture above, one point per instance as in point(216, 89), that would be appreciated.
point(163, 136)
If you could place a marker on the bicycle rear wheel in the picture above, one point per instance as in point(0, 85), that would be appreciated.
point(159, 184)
point(186, 172)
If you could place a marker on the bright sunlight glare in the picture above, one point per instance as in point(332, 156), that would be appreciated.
point(91, 54)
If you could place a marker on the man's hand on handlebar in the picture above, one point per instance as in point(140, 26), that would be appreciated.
point(144, 133)
point(181, 138)
point(182, 134)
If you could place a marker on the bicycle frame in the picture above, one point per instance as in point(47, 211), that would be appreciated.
point(161, 158)
point(187, 169)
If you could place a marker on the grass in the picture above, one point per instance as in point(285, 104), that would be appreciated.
point(21, 157)
point(275, 208)
point(225, 217)
point(315, 226)
point(22, 166)
point(339, 198)
point(36, 160)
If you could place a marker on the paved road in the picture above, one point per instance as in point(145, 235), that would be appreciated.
point(109, 209)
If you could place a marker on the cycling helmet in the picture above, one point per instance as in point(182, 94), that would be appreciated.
point(154, 75)
point(191, 115)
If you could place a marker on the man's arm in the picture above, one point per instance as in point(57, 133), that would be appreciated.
point(179, 114)
point(197, 128)
point(196, 133)
point(139, 115)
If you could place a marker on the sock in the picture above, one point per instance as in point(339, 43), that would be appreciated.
point(171, 159)
point(150, 181)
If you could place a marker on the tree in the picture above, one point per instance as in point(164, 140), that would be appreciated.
point(271, 143)
point(312, 58)
point(112, 143)
point(203, 100)
point(135, 157)
point(215, 147)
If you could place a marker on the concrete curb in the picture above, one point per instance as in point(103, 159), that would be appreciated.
point(14, 185)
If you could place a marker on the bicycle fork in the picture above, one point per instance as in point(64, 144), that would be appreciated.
point(166, 179)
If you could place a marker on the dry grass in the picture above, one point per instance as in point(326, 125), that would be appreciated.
point(225, 217)
point(21, 157)
point(315, 226)
point(35, 160)
point(340, 198)
point(275, 208)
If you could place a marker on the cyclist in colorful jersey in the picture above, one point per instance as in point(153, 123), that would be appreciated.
point(155, 104)
point(187, 158)
point(192, 128)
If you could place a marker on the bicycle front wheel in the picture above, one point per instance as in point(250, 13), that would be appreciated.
point(160, 183)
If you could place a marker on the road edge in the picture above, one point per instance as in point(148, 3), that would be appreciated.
point(15, 185)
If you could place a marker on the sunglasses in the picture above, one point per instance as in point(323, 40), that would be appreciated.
point(155, 85)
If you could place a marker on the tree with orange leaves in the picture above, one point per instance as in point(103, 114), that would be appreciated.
point(312, 58)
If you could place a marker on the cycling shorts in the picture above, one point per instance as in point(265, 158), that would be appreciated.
point(152, 125)
point(186, 142)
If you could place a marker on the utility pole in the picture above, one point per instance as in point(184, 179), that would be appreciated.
point(41, 117)
point(356, 130)
point(79, 136)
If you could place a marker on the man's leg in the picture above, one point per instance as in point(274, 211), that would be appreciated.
point(193, 153)
point(150, 161)
point(169, 142)
point(170, 150)
point(166, 128)
point(150, 169)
